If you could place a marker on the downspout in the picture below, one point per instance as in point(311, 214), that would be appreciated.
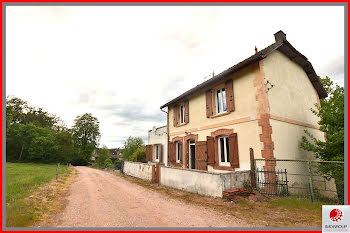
point(167, 133)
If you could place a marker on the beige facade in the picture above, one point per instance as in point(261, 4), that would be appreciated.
point(243, 120)
point(290, 102)
point(269, 119)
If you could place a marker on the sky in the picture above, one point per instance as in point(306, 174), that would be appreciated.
point(121, 63)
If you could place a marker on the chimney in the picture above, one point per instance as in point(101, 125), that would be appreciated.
point(280, 36)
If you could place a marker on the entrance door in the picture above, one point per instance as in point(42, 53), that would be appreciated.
point(192, 155)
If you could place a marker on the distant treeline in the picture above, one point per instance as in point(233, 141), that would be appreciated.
point(35, 135)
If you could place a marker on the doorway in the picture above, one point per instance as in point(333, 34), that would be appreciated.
point(192, 154)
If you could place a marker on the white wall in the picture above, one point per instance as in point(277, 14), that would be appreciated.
point(139, 170)
point(202, 182)
point(159, 136)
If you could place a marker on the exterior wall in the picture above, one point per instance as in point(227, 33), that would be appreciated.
point(293, 94)
point(139, 170)
point(290, 102)
point(243, 120)
point(159, 136)
point(245, 105)
point(202, 182)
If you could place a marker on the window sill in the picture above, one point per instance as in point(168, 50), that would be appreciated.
point(224, 168)
point(182, 124)
point(220, 114)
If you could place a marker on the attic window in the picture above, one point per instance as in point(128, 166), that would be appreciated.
point(220, 100)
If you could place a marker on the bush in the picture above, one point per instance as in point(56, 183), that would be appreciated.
point(139, 155)
point(103, 154)
point(108, 163)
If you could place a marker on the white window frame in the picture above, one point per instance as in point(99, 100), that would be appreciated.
point(182, 114)
point(156, 153)
point(223, 98)
point(178, 152)
point(226, 155)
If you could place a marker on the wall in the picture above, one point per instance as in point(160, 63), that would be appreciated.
point(202, 182)
point(139, 170)
point(243, 120)
point(159, 136)
point(293, 94)
point(290, 100)
point(245, 105)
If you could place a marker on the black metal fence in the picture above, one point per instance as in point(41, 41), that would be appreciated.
point(272, 182)
point(320, 180)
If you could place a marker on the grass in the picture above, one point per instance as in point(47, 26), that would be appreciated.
point(30, 189)
point(276, 212)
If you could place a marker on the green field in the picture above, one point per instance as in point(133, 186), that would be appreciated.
point(22, 179)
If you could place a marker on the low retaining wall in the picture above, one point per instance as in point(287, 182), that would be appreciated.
point(202, 182)
point(139, 170)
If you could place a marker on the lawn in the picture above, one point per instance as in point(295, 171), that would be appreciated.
point(22, 180)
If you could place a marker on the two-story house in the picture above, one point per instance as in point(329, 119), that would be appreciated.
point(262, 103)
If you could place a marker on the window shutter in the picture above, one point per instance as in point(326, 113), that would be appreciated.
point(175, 115)
point(209, 104)
point(229, 96)
point(149, 153)
point(180, 152)
point(160, 154)
point(233, 150)
point(171, 147)
point(211, 150)
point(186, 111)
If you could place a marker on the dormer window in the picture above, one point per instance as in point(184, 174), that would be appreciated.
point(220, 100)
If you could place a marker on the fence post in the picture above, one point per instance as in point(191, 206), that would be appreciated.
point(58, 167)
point(252, 168)
point(310, 182)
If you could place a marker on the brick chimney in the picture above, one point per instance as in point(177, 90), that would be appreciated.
point(280, 36)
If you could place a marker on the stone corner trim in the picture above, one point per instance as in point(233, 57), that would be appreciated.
point(263, 110)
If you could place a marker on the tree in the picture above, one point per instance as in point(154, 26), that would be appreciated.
point(331, 114)
point(24, 114)
point(86, 133)
point(139, 155)
point(130, 147)
point(103, 154)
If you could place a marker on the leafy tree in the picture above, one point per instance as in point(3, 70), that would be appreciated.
point(331, 114)
point(86, 133)
point(139, 155)
point(108, 163)
point(130, 147)
point(103, 154)
point(24, 114)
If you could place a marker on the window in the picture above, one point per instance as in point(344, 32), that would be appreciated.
point(224, 158)
point(182, 114)
point(177, 144)
point(156, 152)
point(221, 100)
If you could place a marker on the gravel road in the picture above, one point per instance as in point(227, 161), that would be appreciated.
point(100, 199)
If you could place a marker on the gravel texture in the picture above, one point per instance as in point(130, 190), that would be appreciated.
point(100, 199)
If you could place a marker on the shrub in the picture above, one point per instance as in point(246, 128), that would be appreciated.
point(108, 163)
point(139, 155)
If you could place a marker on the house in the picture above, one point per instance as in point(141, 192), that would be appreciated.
point(261, 103)
point(157, 148)
point(115, 154)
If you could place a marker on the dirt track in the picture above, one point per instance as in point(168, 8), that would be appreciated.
point(100, 199)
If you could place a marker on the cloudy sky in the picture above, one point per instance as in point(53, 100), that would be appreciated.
point(121, 63)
